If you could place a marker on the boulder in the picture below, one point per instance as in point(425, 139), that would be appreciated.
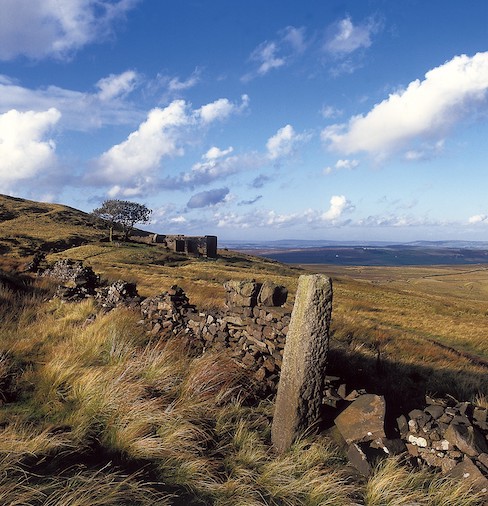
point(272, 294)
point(363, 420)
point(467, 439)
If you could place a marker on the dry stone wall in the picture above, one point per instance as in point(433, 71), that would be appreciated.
point(253, 334)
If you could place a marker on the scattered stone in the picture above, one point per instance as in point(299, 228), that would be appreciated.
point(466, 439)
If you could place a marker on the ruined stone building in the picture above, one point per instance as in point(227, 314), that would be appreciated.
point(191, 245)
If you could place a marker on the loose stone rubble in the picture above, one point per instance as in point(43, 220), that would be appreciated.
point(79, 281)
point(445, 434)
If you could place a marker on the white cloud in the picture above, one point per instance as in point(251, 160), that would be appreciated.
point(265, 54)
point(329, 111)
point(272, 219)
point(143, 149)
point(342, 165)
point(132, 167)
point(175, 84)
point(24, 149)
point(277, 53)
point(344, 37)
point(117, 85)
point(295, 37)
point(42, 28)
point(478, 218)
point(220, 109)
point(178, 219)
point(338, 205)
point(213, 153)
point(425, 109)
point(217, 166)
point(283, 142)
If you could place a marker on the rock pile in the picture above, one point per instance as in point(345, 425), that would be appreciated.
point(254, 335)
point(119, 293)
point(79, 281)
point(451, 436)
point(168, 314)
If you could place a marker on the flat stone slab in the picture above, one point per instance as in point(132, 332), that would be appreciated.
point(467, 439)
point(363, 420)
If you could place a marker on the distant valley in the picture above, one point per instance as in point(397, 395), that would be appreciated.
point(369, 254)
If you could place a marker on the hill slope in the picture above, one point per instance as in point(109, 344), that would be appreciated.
point(26, 226)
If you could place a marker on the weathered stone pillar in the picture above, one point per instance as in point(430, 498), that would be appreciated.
point(301, 383)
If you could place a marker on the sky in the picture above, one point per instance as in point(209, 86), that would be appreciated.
point(338, 120)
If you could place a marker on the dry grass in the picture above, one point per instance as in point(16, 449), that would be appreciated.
point(106, 391)
point(394, 484)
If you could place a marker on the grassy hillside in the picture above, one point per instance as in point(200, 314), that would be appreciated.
point(101, 414)
point(26, 226)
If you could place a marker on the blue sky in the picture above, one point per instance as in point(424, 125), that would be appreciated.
point(269, 119)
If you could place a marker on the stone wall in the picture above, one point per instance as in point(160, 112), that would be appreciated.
point(250, 329)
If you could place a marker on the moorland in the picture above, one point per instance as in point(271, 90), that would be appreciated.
point(100, 414)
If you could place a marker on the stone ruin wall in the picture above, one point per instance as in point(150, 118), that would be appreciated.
point(252, 326)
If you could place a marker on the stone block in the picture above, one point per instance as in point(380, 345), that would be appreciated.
point(272, 294)
point(467, 471)
point(363, 420)
point(468, 440)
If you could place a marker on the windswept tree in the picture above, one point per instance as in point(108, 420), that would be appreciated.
point(122, 213)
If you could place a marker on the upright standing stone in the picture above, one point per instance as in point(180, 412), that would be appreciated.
point(301, 383)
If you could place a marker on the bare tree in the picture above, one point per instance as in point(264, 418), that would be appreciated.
point(124, 213)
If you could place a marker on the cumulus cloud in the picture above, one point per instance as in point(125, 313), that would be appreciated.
point(214, 153)
point(208, 198)
point(217, 165)
point(25, 149)
point(342, 165)
point(221, 109)
point(43, 28)
point(143, 149)
point(338, 204)
point(117, 85)
point(425, 109)
point(312, 218)
point(344, 36)
point(283, 142)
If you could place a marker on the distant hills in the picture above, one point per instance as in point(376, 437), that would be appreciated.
point(372, 253)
